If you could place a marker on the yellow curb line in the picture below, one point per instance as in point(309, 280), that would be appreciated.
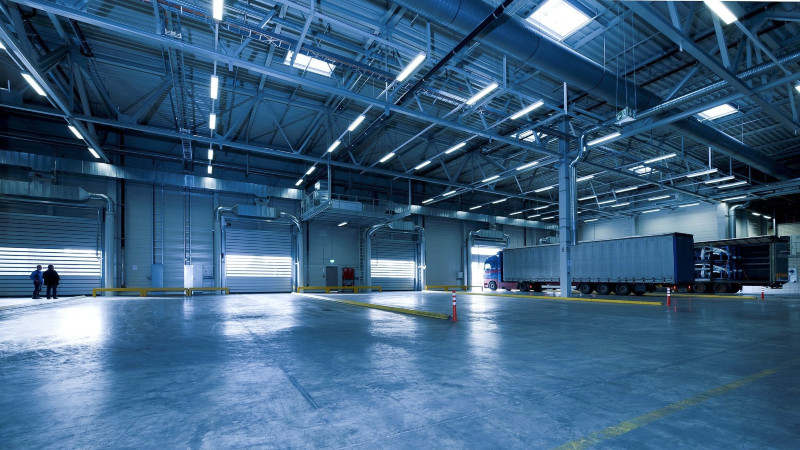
point(574, 299)
point(741, 297)
point(412, 312)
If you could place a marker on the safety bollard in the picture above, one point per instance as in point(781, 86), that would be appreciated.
point(668, 297)
point(455, 314)
point(762, 292)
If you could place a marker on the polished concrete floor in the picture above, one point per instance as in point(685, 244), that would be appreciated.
point(297, 371)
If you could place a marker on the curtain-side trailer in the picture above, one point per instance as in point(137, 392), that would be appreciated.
point(633, 264)
point(726, 265)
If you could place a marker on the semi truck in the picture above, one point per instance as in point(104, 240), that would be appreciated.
point(726, 265)
point(623, 266)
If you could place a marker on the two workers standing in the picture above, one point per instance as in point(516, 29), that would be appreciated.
point(49, 278)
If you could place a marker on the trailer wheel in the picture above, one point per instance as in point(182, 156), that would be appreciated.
point(699, 288)
point(603, 289)
point(523, 287)
point(585, 288)
point(721, 288)
point(622, 289)
point(493, 285)
point(536, 287)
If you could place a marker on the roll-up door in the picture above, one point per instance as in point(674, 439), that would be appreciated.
point(74, 245)
point(393, 263)
point(258, 257)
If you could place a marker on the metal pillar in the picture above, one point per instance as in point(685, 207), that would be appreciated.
point(565, 212)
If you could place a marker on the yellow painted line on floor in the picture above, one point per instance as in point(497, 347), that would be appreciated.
point(644, 419)
point(740, 297)
point(413, 312)
point(572, 299)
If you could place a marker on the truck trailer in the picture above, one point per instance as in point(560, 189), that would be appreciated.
point(726, 265)
point(623, 266)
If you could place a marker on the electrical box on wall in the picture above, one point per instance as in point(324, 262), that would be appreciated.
point(460, 276)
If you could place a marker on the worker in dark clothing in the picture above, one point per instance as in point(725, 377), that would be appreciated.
point(38, 279)
point(51, 280)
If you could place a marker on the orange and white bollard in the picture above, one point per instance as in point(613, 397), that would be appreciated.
point(762, 292)
point(668, 296)
point(455, 314)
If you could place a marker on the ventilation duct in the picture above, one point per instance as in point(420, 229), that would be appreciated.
point(512, 36)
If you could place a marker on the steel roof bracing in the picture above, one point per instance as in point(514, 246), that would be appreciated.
point(133, 78)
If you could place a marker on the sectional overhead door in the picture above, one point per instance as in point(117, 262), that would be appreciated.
point(393, 263)
point(74, 245)
point(258, 257)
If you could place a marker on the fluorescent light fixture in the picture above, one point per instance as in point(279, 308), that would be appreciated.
point(546, 188)
point(756, 214)
point(729, 185)
point(548, 218)
point(311, 170)
point(738, 197)
point(605, 138)
point(475, 207)
point(214, 87)
point(34, 84)
point(387, 157)
point(797, 87)
point(558, 18)
point(2, 47)
point(651, 211)
point(305, 62)
point(722, 11)
point(356, 123)
point(492, 178)
point(719, 180)
point(534, 216)
point(589, 197)
point(587, 177)
point(606, 202)
point(333, 146)
point(216, 9)
point(717, 112)
point(590, 220)
point(411, 66)
point(448, 193)
point(212, 121)
point(482, 93)
point(659, 197)
point(425, 202)
point(210, 169)
point(701, 173)
point(539, 208)
point(210, 154)
point(659, 158)
point(768, 217)
point(299, 182)
point(627, 189)
point(422, 164)
point(454, 148)
point(618, 205)
point(515, 213)
point(499, 201)
point(527, 166)
point(93, 152)
point(75, 131)
point(342, 224)
point(688, 205)
point(526, 110)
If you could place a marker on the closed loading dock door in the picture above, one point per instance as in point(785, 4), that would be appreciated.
point(393, 264)
point(258, 257)
point(72, 244)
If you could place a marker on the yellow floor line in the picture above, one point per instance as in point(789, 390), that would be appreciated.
point(630, 425)
point(740, 297)
point(573, 299)
point(412, 312)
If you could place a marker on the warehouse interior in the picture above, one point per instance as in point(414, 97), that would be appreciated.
point(218, 167)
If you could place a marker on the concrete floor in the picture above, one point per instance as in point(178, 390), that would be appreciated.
point(297, 371)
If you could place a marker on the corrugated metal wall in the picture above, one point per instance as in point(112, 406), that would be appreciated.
point(701, 221)
point(69, 238)
point(329, 242)
point(789, 229)
point(608, 229)
point(444, 245)
point(138, 234)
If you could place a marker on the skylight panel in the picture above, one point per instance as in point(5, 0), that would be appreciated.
point(558, 18)
point(310, 64)
point(717, 112)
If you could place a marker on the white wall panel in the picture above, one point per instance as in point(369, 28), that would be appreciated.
point(326, 242)
point(444, 249)
point(701, 221)
point(516, 236)
point(608, 229)
point(138, 234)
point(789, 229)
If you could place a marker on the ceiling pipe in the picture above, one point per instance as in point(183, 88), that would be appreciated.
point(511, 36)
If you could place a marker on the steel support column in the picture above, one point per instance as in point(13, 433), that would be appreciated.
point(564, 213)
